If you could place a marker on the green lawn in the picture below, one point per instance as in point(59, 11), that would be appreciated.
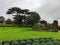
point(14, 33)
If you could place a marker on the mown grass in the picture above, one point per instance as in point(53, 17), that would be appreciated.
point(15, 33)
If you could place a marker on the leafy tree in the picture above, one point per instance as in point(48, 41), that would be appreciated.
point(32, 18)
point(2, 19)
point(19, 14)
point(9, 21)
point(23, 15)
point(49, 26)
point(14, 10)
point(43, 22)
point(55, 25)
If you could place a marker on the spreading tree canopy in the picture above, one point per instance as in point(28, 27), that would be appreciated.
point(23, 15)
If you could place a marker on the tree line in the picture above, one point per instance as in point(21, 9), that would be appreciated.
point(25, 17)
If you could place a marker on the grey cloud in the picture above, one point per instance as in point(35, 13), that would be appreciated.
point(50, 11)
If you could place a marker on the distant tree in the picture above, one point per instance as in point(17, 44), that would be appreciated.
point(19, 14)
point(23, 15)
point(8, 21)
point(33, 18)
point(45, 23)
point(38, 27)
point(55, 25)
point(49, 26)
point(16, 12)
point(2, 19)
point(59, 27)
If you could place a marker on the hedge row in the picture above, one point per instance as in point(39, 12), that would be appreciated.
point(36, 41)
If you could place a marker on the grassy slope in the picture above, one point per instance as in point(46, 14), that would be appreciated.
point(13, 33)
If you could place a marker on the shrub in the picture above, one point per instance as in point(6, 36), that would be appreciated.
point(36, 40)
point(29, 42)
point(14, 43)
point(43, 43)
point(35, 43)
point(8, 21)
point(22, 43)
point(31, 39)
point(38, 26)
point(18, 41)
point(50, 43)
point(41, 40)
point(56, 42)
point(5, 43)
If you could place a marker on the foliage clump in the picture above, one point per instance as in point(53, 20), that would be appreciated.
point(36, 41)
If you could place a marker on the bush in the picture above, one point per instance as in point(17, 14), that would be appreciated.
point(22, 43)
point(14, 43)
point(41, 40)
point(29, 42)
point(56, 42)
point(43, 43)
point(38, 26)
point(5, 43)
point(36, 41)
point(50, 43)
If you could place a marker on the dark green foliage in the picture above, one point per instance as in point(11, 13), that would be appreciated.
point(58, 27)
point(23, 16)
point(18, 20)
point(29, 41)
point(28, 44)
point(36, 41)
point(50, 43)
point(56, 42)
point(27, 18)
point(14, 10)
point(36, 27)
point(43, 22)
point(18, 14)
point(43, 43)
point(14, 43)
point(55, 25)
point(2, 19)
point(32, 18)
point(49, 26)
point(9, 21)
point(22, 42)
point(6, 43)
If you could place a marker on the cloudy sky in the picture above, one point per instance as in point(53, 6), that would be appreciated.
point(49, 10)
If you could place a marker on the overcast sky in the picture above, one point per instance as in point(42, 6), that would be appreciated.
point(49, 10)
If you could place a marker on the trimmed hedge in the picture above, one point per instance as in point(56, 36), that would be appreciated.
point(36, 41)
